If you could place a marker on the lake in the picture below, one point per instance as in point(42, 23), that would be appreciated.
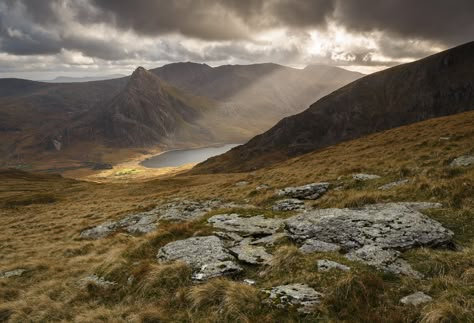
point(175, 158)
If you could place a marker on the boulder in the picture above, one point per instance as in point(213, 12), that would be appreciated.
point(383, 259)
point(206, 256)
point(416, 299)
point(463, 161)
point(305, 192)
point(393, 184)
point(313, 245)
point(251, 254)
point(364, 177)
point(327, 265)
point(388, 225)
point(288, 205)
point(299, 296)
point(246, 226)
point(135, 224)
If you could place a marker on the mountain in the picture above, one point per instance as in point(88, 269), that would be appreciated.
point(71, 79)
point(438, 85)
point(147, 111)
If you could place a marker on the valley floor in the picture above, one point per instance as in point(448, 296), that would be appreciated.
point(42, 216)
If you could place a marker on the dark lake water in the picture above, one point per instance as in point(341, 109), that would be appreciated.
point(175, 158)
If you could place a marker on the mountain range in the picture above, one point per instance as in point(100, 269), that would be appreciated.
point(439, 85)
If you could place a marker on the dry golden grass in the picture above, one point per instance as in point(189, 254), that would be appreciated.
point(41, 217)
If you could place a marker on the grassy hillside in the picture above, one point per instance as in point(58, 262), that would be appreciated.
point(41, 217)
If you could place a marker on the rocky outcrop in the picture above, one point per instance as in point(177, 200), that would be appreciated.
point(299, 296)
point(246, 226)
point(305, 192)
point(364, 177)
point(134, 224)
point(393, 184)
point(313, 245)
point(463, 161)
point(416, 299)
point(251, 254)
point(207, 256)
point(327, 265)
point(383, 259)
point(390, 225)
point(288, 205)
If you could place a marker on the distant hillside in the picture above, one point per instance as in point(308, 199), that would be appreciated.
point(71, 79)
point(439, 85)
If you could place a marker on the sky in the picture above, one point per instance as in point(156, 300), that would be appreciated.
point(41, 39)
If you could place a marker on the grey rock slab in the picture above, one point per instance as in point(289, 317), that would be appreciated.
point(242, 183)
point(135, 224)
point(364, 177)
point(12, 273)
point(262, 187)
point(305, 192)
point(416, 299)
point(327, 265)
point(383, 259)
point(216, 269)
point(388, 225)
point(195, 251)
point(313, 245)
point(391, 185)
point(270, 240)
point(288, 205)
point(251, 254)
point(463, 161)
point(301, 296)
point(255, 225)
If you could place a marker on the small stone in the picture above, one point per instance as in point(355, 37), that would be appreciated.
point(288, 205)
point(393, 184)
point(326, 265)
point(262, 187)
point(96, 280)
point(242, 183)
point(255, 225)
point(313, 245)
point(364, 177)
point(12, 273)
point(301, 296)
point(249, 282)
point(216, 269)
point(305, 192)
point(416, 299)
point(463, 161)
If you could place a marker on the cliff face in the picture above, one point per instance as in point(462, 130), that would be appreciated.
point(438, 85)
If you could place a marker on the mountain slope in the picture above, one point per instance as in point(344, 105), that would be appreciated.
point(439, 85)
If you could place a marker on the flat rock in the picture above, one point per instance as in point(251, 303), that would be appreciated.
point(135, 224)
point(216, 269)
point(262, 187)
point(270, 240)
point(327, 265)
point(242, 183)
point(299, 296)
point(463, 161)
point(383, 259)
point(388, 225)
point(313, 245)
point(364, 177)
point(255, 225)
point(12, 273)
point(251, 254)
point(416, 299)
point(305, 192)
point(391, 185)
point(288, 205)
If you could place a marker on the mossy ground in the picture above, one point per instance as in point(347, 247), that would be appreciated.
point(41, 217)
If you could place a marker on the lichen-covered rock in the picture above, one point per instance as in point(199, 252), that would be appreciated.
point(416, 299)
point(313, 245)
point(251, 254)
point(96, 280)
point(270, 240)
point(463, 161)
point(393, 184)
point(305, 192)
point(384, 259)
point(288, 205)
point(216, 269)
point(135, 224)
point(364, 177)
point(390, 225)
point(299, 296)
point(255, 225)
point(12, 273)
point(327, 265)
